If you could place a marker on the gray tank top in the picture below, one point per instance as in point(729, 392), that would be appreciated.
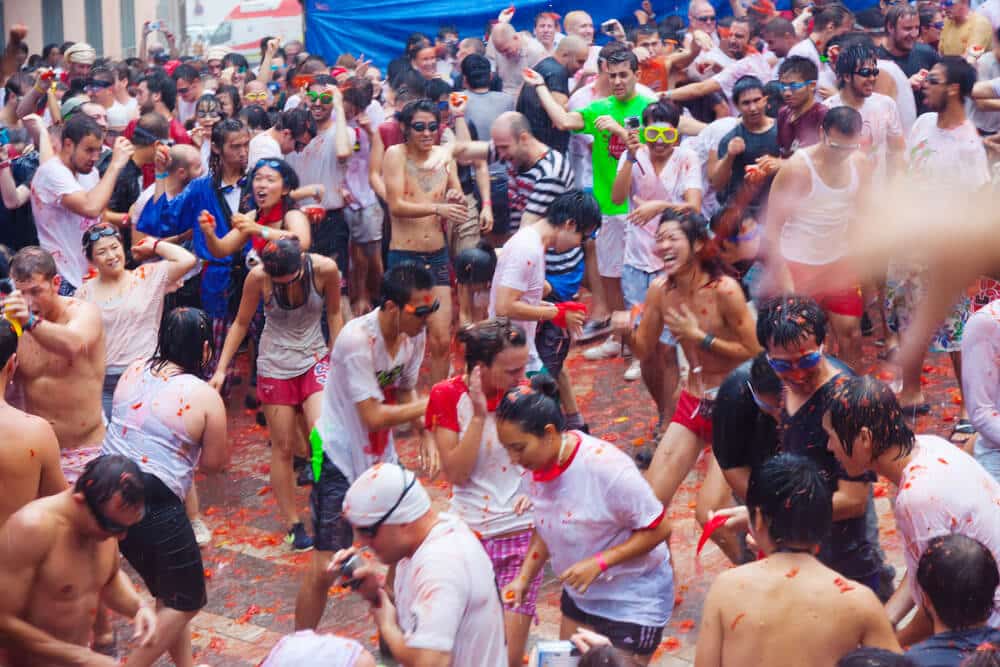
point(292, 341)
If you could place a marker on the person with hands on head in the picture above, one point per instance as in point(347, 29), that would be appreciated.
point(611, 556)
point(519, 280)
point(376, 361)
point(424, 198)
point(789, 511)
point(293, 358)
point(442, 608)
point(485, 484)
point(47, 610)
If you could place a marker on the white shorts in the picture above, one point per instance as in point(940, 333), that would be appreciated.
point(365, 223)
point(611, 245)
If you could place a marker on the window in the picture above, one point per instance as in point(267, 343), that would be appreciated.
point(95, 24)
point(128, 28)
point(52, 22)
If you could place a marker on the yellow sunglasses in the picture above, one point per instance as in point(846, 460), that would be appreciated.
point(654, 133)
point(256, 97)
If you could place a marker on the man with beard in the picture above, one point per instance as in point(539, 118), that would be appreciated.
point(158, 92)
point(831, 21)
point(902, 27)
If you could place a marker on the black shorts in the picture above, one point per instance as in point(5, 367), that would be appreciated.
point(331, 238)
point(553, 344)
point(331, 530)
point(629, 637)
point(437, 262)
point(163, 550)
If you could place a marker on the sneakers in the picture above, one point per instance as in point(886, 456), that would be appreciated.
point(593, 329)
point(298, 539)
point(202, 535)
point(609, 349)
point(634, 371)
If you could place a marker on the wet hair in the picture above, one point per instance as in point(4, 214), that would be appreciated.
point(164, 86)
point(48, 49)
point(416, 42)
point(620, 56)
point(577, 206)
point(405, 117)
point(209, 98)
point(661, 111)
point(927, 15)
point(786, 320)
point(959, 575)
point(851, 58)
point(986, 655)
point(235, 60)
point(844, 119)
point(102, 73)
point(399, 283)
point(763, 378)
point(234, 95)
point(606, 656)
point(775, 98)
point(357, 91)
point(255, 116)
point(475, 266)
point(109, 474)
point(281, 257)
point(32, 260)
point(220, 132)
point(695, 228)
point(408, 86)
point(834, 14)
point(793, 498)
point(485, 340)
point(298, 121)
point(803, 67)
point(150, 128)
point(957, 70)
point(866, 402)
point(182, 338)
point(88, 245)
point(648, 30)
point(745, 84)
point(79, 126)
point(533, 407)
point(897, 12)
point(186, 72)
point(869, 656)
point(289, 178)
point(435, 89)
point(476, 70)
point(778, 27)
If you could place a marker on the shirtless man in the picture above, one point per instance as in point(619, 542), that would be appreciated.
point(708, 315)
point(746, 616)
point(29, 463)
point(815, 195)
point(422, 201)
point(61, 362)
point(59, 558)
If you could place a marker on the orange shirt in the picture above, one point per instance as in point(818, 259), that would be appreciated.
point(654, 74)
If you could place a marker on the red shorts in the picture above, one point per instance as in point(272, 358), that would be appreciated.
point(846, 302)
point(293, 391)
point(694, 414)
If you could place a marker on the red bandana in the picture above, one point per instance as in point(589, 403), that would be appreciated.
point(554, 469)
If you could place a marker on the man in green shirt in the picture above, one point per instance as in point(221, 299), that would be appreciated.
point(623, 108)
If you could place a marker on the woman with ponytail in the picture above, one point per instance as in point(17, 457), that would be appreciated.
point(596, 518)
point(485, 484)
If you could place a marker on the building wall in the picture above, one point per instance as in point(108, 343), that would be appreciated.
point(29, 13)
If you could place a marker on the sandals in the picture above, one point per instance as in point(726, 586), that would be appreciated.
point(963, 427)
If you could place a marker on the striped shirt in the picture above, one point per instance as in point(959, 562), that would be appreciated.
point(534, 189)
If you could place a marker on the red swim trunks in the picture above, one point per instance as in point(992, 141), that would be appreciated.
point(847, 302)
point(694, 414)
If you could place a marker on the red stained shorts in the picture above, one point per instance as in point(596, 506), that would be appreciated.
point(847, 302)
point(694, 414)
point(293, 391)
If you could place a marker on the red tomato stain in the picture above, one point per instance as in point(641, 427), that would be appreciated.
point(791, 574)
point(736, 621)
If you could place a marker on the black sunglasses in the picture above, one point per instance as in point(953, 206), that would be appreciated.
point(372, 530)
point(97, 83)
point(424, 127)
point(101, 232)
point(422, 311)
point(104, 523)
point(866, 72)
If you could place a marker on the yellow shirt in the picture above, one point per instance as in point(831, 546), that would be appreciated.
point(956, 39)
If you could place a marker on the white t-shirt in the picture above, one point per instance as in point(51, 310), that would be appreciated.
point(943, 490)
point(447, 599)
point(881, 119)
point(356, 171)
point(521, 266)
point(360, 368)
point(807, 49)
point(954, 157)
point(263, 146)
point(681, 173)
point(60, 230)
point(752, 64)
point(580, 144)
point(185, 110)
point(704, 143)
point(598, 500)
point(486, 500)
point(318, 164)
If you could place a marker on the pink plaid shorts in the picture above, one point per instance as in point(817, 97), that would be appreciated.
point(507, 554)
point(73, 461)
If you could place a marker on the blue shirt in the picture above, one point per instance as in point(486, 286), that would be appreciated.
point(948, 649)
point(168, 218)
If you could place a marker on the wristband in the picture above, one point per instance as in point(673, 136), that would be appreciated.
point(706, 342)
point(4, 164)
point(564, 307)
point(265, 233)
point(162, 176)
point(601, 563)
point(32, 322)
point(487, 202)
point(156, 243)
point(125, 221)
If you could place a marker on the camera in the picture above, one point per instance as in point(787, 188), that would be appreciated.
point(608, 26)
point(632, 123)
point(347, 569)
point(155, 26)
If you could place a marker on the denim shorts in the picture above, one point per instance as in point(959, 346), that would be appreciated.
point(436, 262)
point(326, 500)
point(635, 284)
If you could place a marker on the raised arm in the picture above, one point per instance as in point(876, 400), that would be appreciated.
point(91, 203)
point(560, 117)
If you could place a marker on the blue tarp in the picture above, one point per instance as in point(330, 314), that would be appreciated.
point(379, 28)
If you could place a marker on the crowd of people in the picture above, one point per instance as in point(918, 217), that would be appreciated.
point(418, 248)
